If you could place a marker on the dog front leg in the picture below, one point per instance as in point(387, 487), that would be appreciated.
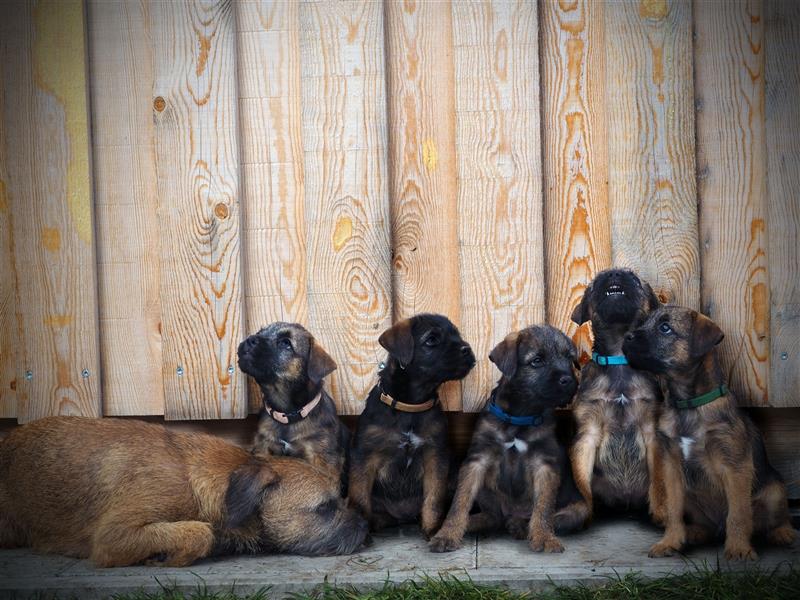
point(433, 487)
point(362, 479)
point(674, 536)
point(656, 499)
point(544, 482)
point(470, 480)
point(738, 481)
point(582, 456)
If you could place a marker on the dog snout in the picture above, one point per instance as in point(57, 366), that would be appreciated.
point(565, 380)
point(466, 350)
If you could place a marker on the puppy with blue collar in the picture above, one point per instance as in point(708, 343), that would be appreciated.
point(516, 470)
point(615, 456)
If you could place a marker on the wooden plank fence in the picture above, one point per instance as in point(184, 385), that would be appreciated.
point(176, 174)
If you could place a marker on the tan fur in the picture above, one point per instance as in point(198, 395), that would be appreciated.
point(122, 492)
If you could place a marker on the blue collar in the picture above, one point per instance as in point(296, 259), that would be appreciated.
point(609, 360)
point(507, 418)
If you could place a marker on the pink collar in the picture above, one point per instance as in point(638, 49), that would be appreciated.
point(293, 417)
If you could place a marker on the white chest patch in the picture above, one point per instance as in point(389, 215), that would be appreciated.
point(286, 445)
point(517, 444)
point(686, 447)
point(621, 399)
point(410, 439)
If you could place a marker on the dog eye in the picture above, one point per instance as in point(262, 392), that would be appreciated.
point(432, 340)
point(537, 361)
point(665, 328)
point(285, 343)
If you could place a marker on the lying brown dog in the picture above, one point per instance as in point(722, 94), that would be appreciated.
point(716, 470)
point(124, 492)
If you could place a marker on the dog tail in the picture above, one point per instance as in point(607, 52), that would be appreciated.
point(572, 517)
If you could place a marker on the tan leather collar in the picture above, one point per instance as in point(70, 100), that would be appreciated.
point(405, 407)
point(293, 417)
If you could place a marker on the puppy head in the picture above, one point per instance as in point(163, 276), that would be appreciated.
point(429, 347)
point(296, 505)
point(284, 352)
point(615, 297)
point(672, 338)
point(538, 360)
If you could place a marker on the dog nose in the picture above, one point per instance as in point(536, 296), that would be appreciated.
point(465, 350)
point(630, 335)
point(565, 380)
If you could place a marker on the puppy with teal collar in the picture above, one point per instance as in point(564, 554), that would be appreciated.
point(615, 456)
point(515, 470)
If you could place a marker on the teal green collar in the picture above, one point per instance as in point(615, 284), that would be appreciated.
point(717, 392)
point(609, 360)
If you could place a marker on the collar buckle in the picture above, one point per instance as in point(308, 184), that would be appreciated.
point(613, 359)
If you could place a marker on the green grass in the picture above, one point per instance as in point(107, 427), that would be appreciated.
point(702, 583)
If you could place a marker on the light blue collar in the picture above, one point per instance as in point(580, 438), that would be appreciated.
point(609, 360)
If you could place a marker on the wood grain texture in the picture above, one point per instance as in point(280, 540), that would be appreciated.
point(49, 194)
point(126, 207)
point(346, 203)
point(196, 120)
point(499, 178)
point(651, 152)
point(8, 301)
point(422, 164)
point(270, 117)
point(575, 162)
point(731, 157)
point(782, 47)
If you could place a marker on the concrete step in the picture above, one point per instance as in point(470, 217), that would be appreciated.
point(606, 549)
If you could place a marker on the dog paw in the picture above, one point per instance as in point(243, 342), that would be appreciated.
point(444, 543)
point(663, 548)
point(696, 535)
point(428, 532)
point(546, 543)
point(740, 552)
point(782, 536)
point(518, 529)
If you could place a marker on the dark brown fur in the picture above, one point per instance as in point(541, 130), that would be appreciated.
point(289, 364)
point(615, 454)
point(399, 460)
point(717, 473)
point(519, 475)
point(125, 492)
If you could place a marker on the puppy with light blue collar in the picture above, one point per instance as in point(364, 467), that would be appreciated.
point(516, 470)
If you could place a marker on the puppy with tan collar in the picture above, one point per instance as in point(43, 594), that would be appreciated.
point(716, 470)
point(298, 419)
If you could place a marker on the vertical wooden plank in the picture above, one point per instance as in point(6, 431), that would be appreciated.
point(49, 192)
point(347, 209)
point(126, 206)
point(731, 156)
point(422, 164)
point(273, 212)
point(499, 178)
point(8, 303)
point(197, 153)
point(782, 47)
point(651, 166)
point(575, 162)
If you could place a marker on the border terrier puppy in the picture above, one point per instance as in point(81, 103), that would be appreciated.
point(615, 454)
point(298, 419)
point(515, 469)
point(716, 470)
point(399, 459)
point(126, 492)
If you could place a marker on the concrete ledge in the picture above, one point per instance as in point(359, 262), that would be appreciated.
point(605, 550)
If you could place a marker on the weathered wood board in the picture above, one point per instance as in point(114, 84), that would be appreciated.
point(782, 75)
point(422, 164)
point(126, 206)
point(346, 201)
point(651, 152)
point(197, 152)
point(496, 53)
point(273, 208)
point(48, 191)
point(8, 301)
point(732, 158)
point(574, 160)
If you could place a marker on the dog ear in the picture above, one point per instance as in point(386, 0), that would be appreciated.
point(504, 355)
point(399, 341)
point(705, 335)
point(320, 363)
point(581, 314)
point(652, 298)
point(246, 487)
